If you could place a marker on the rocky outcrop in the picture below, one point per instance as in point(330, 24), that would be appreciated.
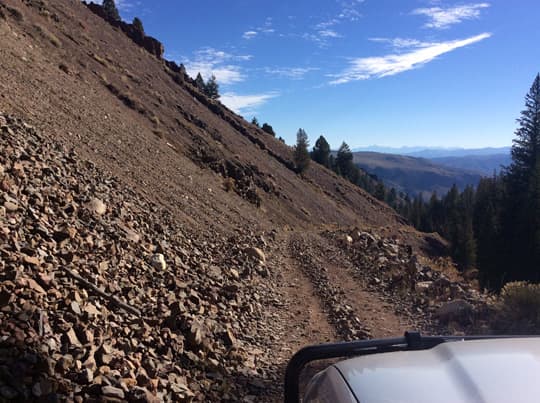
point(152, 45)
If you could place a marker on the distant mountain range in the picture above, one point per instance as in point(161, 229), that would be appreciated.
point(413, 175)
point(485, 164)
point(435, 152)
point(416, 170)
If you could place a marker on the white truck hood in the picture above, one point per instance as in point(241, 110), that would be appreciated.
point(490, 371)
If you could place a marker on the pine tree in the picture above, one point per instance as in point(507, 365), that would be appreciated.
point(321, 152)
point(380, 191)
point(344, 160)
point(255, 122)
point(521, 216)
point(432, 221)
point(109, 7)
point(392, 199)
point(492, 255)
point(526, 147)
point(211, 88)
point(138, 25)
point(199, 82)
point(268, 129)
point(465, 244)
point(301, 153)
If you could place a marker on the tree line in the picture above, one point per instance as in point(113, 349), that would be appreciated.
point(495, 227)
point(341, 162)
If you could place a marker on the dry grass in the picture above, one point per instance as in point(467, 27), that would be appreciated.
point(155, 120)
point(100, 60)
point(159, 97)
point(126, 97)
point(228, 184)
point(519, 308)
point(103, 78)
point(132, 77)
point(48, 35)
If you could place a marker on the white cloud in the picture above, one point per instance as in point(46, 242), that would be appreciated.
point(321, 38)
point(365, 68)
point(244, 103)
point(441, 18)
point(127, 6)
point(210, 61)
point(266, 28)
point(403, 43)
point(327, 24)
point(295, 73)
point(349, 10)
point(322, 32)
point(328, 33)
point(225, 74)
point(249, 34)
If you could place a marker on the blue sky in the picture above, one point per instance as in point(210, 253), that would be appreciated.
point(385, 72)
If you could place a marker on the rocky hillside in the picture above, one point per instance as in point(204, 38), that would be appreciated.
point(156, 247)
point(90, 86)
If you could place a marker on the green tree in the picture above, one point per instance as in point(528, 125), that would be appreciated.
point(110, 10)
point(344, 161)
point(199, 83)
point(526, 145)
point(211, 88)
point(492, 255)
point(392, 198)
point(522, 215)
point(301, 153)
point(268, 129)
point(464, 247)
point(255, 122)
point(380, 191)
point(321, 152)
point(138, 25)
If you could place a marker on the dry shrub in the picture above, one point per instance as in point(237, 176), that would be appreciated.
point(127, 98)
point(48, 35)
point(64, 68)
point(519, 308)
point(132, 77)
point(103, 78)
point(15, 13)
point(155, 120)
point(100, 60)
point(228, 184)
